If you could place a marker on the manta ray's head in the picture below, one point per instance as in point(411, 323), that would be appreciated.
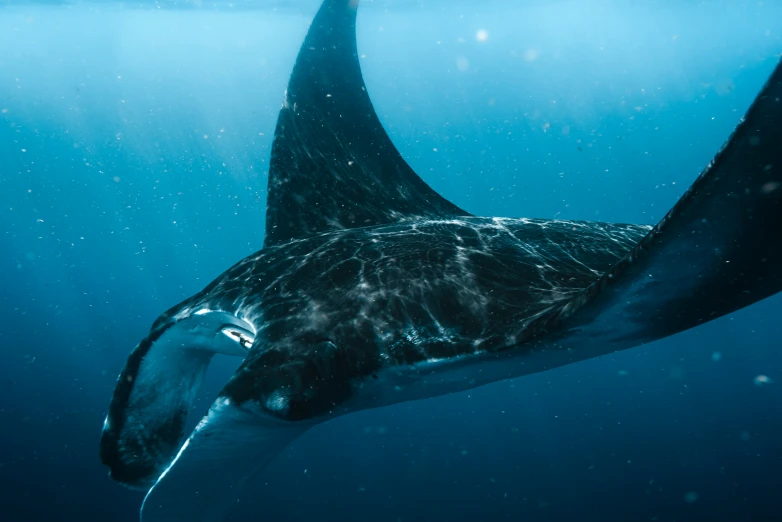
point(157, 388)
point(280, 390)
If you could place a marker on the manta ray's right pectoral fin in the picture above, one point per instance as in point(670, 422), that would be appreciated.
point(717, 250)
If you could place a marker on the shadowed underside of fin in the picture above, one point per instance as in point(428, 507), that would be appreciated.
point(332, 164)
point(718, 249)
point(229, 446)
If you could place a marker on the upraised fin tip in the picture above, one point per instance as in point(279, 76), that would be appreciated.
point(333, 165)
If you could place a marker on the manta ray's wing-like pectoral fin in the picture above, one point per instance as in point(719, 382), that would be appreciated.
point(332, 164)
point(718, 249)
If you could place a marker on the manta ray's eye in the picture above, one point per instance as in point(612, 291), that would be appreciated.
point(243, 338)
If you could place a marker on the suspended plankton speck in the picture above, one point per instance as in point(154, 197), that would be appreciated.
point(716, 356)
point(482, 35)
point(760, 380)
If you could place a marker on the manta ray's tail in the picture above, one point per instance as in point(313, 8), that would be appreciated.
point(718, 249)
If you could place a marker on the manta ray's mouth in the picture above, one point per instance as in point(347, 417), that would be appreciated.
point(243, 337)
point(158, 387)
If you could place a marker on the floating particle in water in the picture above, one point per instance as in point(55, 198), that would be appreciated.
point(482, 35)
point(622, 373)
point(725, 87)
point(760, 380)
point(531, 55)
point(716, 356)
point(462, 64)
point(691, 497)
point(745, 436)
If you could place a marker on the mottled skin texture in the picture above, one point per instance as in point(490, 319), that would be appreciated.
point(340, 307)
point(337, 309)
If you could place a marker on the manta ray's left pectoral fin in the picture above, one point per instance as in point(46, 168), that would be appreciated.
point(717, 250)
point(332, 165)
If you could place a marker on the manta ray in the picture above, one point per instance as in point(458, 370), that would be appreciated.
point(372, 289)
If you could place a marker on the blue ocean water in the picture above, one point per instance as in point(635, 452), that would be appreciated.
point(134, 143)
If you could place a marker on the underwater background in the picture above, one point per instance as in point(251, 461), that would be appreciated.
point(134, 145)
